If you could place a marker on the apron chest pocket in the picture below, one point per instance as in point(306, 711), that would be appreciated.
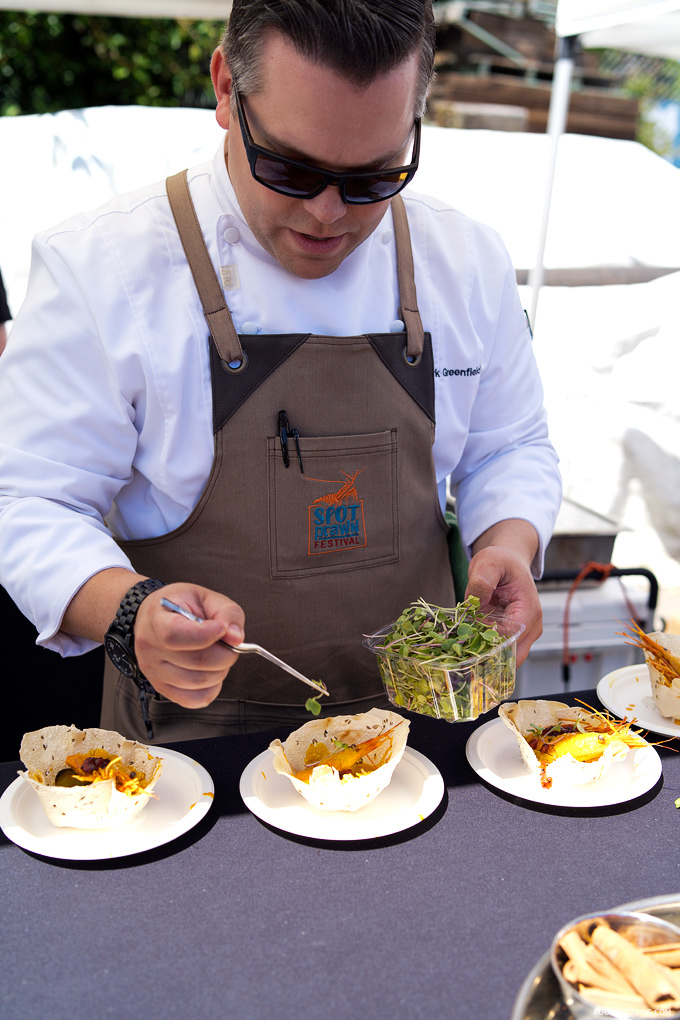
point(340, 512)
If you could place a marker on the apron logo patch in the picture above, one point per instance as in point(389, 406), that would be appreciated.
point(336, 520)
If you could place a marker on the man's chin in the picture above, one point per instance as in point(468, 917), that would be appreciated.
point(309, 264)
point(313, 271)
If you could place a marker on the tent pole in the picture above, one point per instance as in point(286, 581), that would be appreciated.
point(557, 120)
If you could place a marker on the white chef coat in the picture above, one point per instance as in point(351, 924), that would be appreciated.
point(105, 397)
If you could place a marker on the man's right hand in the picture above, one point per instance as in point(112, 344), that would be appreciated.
point(179, 657)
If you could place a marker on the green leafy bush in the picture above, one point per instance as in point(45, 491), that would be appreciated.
point(51, 62)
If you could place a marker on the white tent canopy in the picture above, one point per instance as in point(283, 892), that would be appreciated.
point(638, 26)
point(214, 10)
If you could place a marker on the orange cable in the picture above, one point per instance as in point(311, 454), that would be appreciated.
point(605, 569)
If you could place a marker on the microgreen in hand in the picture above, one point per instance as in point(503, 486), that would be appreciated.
point(429, 632)
point(443, 662)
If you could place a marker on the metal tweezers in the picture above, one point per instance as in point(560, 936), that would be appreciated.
point(244, 648)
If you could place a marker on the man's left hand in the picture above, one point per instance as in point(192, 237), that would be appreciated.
point(500, 576)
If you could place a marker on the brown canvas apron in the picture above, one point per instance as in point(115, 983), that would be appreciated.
point(319, 546)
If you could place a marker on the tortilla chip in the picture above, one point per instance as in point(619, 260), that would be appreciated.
point(666, 699)
point(91, 805)
point(523, 716)
point(326, 789)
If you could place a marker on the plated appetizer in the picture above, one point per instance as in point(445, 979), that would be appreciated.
point(662, 655)
point(88, 779)
point(568, 745)
point(342, 763)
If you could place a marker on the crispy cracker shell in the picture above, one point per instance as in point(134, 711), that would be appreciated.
point(92, 805)
point(666, 699)
point(326, 789)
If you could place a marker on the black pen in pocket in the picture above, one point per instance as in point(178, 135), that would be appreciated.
point(285, 430)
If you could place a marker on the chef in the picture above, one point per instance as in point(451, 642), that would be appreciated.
point(244, 389)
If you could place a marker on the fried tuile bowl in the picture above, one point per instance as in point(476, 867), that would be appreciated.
point(636, 927)
point(666, 698)
point(327, 789)
point(523, 716)
point(93, 805)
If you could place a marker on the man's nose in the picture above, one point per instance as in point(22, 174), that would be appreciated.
point(326, 207)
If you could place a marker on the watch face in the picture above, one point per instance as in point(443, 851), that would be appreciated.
point(119, 656)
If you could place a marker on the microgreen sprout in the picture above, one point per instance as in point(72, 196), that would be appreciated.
point(312, 705)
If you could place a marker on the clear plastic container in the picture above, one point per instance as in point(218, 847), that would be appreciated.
point(475, 686)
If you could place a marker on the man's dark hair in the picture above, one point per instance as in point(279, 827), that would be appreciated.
point(360, 39)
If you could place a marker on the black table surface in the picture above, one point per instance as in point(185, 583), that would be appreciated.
point(237, 919)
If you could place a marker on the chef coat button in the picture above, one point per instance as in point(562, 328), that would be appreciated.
point(387, 237)
point(397, 326)
point(231, 235)
point(249, 327)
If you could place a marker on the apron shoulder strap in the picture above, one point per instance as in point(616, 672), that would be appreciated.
point(215, 309)
point(409, 313)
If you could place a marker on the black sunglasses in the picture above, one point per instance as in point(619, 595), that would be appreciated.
point(303, 180)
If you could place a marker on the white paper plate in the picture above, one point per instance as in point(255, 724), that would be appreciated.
point(184, 792)
point(415, 791)
point(494, 754)
point(628, 692)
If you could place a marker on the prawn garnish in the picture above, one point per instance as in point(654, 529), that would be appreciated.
point(667, 664)
point(351, 759)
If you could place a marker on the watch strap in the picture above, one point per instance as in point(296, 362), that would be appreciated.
point(124, 622)
point(123, 628)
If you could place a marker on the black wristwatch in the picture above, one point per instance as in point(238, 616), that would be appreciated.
point(120, 637)
point(120, 642)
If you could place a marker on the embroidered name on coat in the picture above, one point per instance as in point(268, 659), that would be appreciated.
point(336, 519)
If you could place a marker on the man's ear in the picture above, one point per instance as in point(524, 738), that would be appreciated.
point(220, 72)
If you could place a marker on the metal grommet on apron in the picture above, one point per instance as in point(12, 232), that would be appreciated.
point(322, 525)
point(236, 367)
